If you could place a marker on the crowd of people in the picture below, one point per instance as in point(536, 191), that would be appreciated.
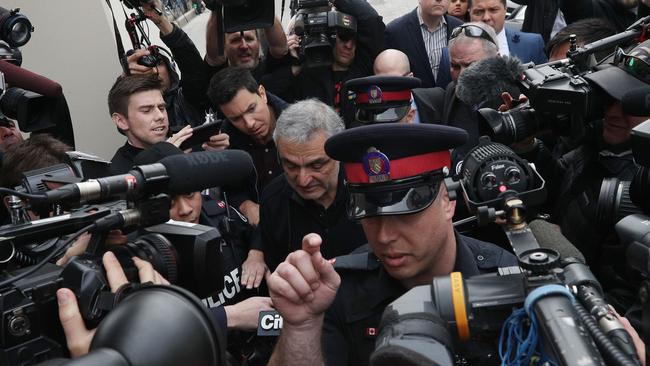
point(348, 207)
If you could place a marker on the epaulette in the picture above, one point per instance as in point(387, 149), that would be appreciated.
point(361, 259)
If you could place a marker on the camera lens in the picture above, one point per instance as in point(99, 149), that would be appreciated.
point(489, 180)
point(614, 202)
point(153, 248)
point(15, 28)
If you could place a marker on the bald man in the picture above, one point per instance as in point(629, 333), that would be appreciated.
point(426, 104)
point(392, 62)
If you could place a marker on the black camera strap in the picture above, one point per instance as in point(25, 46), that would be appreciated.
point(121, 55)
point(107, 301)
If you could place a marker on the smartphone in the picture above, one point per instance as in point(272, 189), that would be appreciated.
point(201, 134)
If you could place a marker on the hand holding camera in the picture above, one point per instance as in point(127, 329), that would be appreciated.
point(78, 337)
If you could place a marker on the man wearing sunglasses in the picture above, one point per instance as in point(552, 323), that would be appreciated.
point(395, 177)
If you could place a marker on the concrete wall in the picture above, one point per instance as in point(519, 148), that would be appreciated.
point(74, 45)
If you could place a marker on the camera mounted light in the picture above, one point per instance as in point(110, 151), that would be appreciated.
point(15, 28)
point(492, 170)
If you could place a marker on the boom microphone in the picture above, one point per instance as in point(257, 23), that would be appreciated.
point(16, 76)
point(482, 83)
point(549, 236)
point(177, 174)
point(636, 102)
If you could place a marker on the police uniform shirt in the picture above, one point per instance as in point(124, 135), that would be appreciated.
point(285, 218)
point(234, 251)
point(352, 321)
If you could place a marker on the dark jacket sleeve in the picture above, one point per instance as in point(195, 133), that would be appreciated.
point(191, 65)
point(370, 34)
point(334, 343)
point(282, 83)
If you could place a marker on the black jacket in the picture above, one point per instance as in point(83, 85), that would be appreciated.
point(352, 321)
point(185, 98)
point(285, 218)
point(404, 34)
point(610, 10)
point(458, 114)
point(429, 104)
point(122, 161)
point(574, 186)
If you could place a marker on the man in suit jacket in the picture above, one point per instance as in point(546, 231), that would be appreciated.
point(525, 46)
point(422, 35)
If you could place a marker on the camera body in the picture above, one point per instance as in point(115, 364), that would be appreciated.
point(317, 26)
point(558, 96)
point(431, 324)
point(188, 255)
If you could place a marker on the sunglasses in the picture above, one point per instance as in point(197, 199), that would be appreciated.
point(345, 35)
point(471, 31)
point(632, 64)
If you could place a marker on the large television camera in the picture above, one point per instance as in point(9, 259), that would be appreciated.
point(634, 229)
point(318, 25)
point(560, 94)
point(188, 255)
point(550, 307)
point(35, 102)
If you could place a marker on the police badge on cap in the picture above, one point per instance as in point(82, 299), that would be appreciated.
point(375, 95)
point(377, 166)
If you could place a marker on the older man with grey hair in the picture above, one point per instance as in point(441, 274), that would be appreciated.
point(469, 43)
point(310, 195)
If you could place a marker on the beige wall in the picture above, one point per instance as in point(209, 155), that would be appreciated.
point(74, 45)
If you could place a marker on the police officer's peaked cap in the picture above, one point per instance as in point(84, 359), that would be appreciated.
point(394, 168)
point(381, 98)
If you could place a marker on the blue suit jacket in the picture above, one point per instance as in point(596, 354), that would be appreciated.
point(526, 46)
point(404, 34)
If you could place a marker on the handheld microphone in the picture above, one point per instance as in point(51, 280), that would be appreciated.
point(25, 79)
point(177, 174)
point(482, 83)
point(636, 102)
point(549, 236)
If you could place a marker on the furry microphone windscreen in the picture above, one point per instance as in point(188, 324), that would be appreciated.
point(481, 84)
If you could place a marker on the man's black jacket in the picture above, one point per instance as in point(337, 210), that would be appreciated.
point(285, 218)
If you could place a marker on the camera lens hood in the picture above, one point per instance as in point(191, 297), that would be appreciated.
point(162, 326)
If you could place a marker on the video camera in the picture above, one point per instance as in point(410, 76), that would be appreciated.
point(36, 102)
point(550, 307)
point(560, 94)
point(318, 25)
point(242, 15)
point(188, 255)
point(634, 229)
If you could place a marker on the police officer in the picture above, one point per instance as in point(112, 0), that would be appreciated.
point(234, 307)
point(395, 177)
point(381, 99)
